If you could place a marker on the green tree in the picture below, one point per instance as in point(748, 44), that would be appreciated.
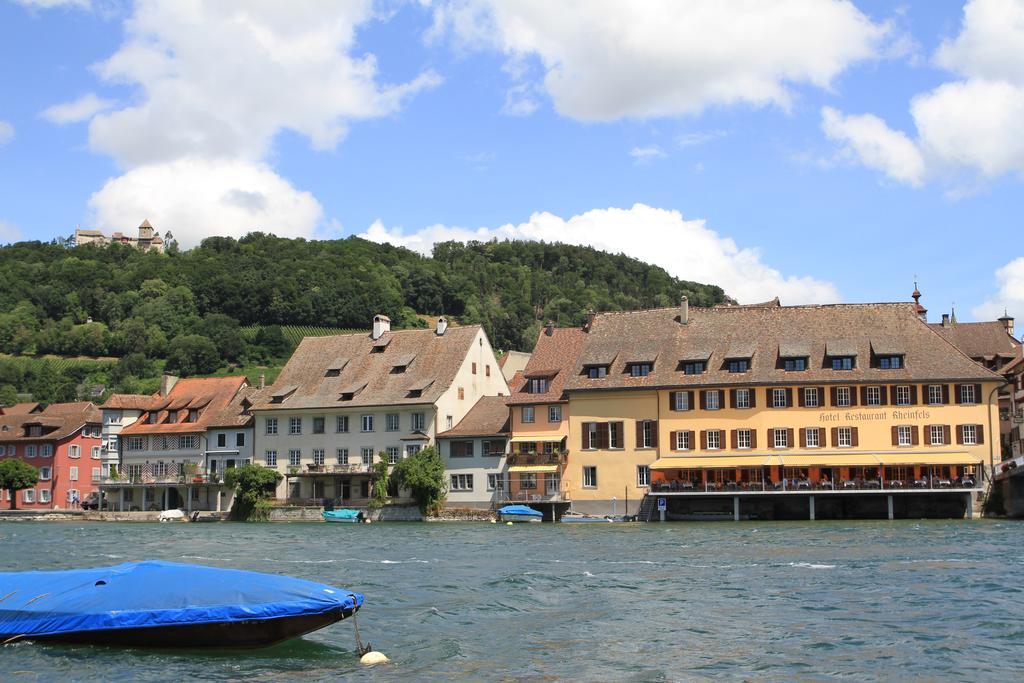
point(272, 340)
point(16, 475)
point(379, 482)
point(224, 332)
point(422, 474)
point(254, 485)
point(8, 395)
point(192, 354)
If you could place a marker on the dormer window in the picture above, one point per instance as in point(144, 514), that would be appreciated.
point(794, 364)
point(400, 364)
point(172, 416)
point(640, 369)
point(538, 385)
point(597, 371)
point(414, 393)
point(842, 362)
point(890, 362)
point(192, 416)
point(380, 345)
point(739, 365)
point(151, 418)
point(35, 430)
point(696, 367)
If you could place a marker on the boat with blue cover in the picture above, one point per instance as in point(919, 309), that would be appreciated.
point(519, 513)
point(342, 515)
point(166, 604)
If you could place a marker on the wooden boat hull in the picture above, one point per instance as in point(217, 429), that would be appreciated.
point(520, 519)
point(233, 634)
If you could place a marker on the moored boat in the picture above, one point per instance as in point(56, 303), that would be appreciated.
point(166, 604)
point(581, 518)
point(519, 513)
point(343, 515)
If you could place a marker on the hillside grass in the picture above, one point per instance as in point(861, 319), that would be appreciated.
point(295, 333)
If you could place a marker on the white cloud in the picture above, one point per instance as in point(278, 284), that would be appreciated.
point(82, 109)
point(195, 197)
point(648, 153)
point(699, 138)
point(1010, 295)
point(685, 248)
point(868, 139)
point(51, 4)
point(6, 133)
point(9, 232)
point(604, 60)
point(969, 126)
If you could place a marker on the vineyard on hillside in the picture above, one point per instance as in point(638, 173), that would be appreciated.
point(58, 363)
point(295, 333)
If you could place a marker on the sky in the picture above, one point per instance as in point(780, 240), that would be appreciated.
point(816, 150)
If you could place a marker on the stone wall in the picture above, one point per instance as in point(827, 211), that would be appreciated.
point(394, 513)
point(463, 515)
point(40, 515)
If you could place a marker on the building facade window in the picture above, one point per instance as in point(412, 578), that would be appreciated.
point(318, 425)
point(967, 393)
point(294, 457)
point(447, 421)
point(222, 441)
point(391, 422)
point(795, 364)
point(842, 363)
point(412, 449)
point(318, 456)
point(554, 413)
point(904, 435)
point(810, 397)
point(294, 426)
point(890, 362)
point(367, 454)
point(874, 396)
point(135, 443)
point(495, 482)
point(239, 439)
point(462, 394)
point(188, 442)
point(44, 495)
point(270, 425)
point(844, 437)
point(970, 435)
point(526, 414)
point(712, 399)
point(639, 369)
point(342, 455)
point(419, 422)
point(737, 366)
point(74, 451)
point(937, 436)
point(73, 473)
point(647, 428)
point(31, 450)
point(781, 438)
point(843, 397)
point(742, 438)
point(743, 398)
point(28, 496)
point(538, 385)
point(779, 398)
point(462, 482)
point(812, 435)
point(394, 453)
point(902, 396)
point(341, 424)
point(597, 371)
point(682, 400)
point(590, 477)
point(46, 451)
point(935, 394)
point(714, 437)
point(270, 458)
point(643, 475)
point(366, 422)
point(694, 368)
point(527, 482)
point(45, 473)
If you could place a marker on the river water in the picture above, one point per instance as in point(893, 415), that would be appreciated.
point(772, 601)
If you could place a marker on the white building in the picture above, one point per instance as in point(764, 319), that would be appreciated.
point(474, 455)
point(344, 401)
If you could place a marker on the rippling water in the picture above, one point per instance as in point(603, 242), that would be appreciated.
point(868, 600)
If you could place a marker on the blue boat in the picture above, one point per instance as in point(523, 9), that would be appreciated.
point(519, 513)
point(166, 604)
point(343, 515)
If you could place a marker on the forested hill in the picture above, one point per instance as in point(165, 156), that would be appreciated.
point(142, 301)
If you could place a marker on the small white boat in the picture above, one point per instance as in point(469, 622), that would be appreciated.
point(580, 518)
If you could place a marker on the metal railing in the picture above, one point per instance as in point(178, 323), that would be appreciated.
point(805, 485)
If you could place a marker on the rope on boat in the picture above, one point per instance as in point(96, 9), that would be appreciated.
point(12, 639)
point(360, 648)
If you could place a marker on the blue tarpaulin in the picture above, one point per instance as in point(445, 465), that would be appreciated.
point(520, 510)
point(148, 594)
point(342, 514)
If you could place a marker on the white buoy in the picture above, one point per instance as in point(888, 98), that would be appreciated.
point(373, 657)
point(508, 523)
point(494, 521)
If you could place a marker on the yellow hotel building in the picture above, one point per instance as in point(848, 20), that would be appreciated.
point(842, 410)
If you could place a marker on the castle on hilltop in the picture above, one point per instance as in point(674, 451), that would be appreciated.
point(148, 238)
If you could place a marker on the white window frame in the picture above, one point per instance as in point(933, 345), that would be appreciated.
point(95, 454)
point(318, 456)
point(392, 422)
point(973, 435)
point(394, 454)
point(743, 398)
point(904, 435)
point(715, 404)
point(46, 450)
point(844, 437)
point(779, 398)
point(32, 449)
point(643, 476)
point(366, 423)
point(683, 441)
point(647, 428)
point(935, 394)
point(555, 413)
point(270, 426)
point(367, 456)
point(527, 415)
point(743, 439)
point(73, 473)
point(811, 397)
point(342, 455)
point(461, 482)
point(590, 476)
point(967, 396)
point(780, 438)
point(496, 482)
point(902, 395)
point(341, 424)
point(294, 457)
point(844, 397)
point(96, 471)
point(270, 458)
point(816, 438)
point(717, 434)
point(294, 426)
point(28, 495)
point(936, 435)
point(45, 473)
point(874, 396)
point(682, 401)
point(74, 451)
point(44, 496)
point(419, 422)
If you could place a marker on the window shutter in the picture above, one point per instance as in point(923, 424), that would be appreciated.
point(585, 442)
point(703, 439)
point(673, 440)
point(639, 433)
point(835, 396)
point(895, 436)
point(771, 437)
point(753, 438)
point(977, 394)
point(854, 440)
point(800, 397)
point(602, 435)
point(821, 397)
point(915, 435)
point(958, 393)
point(689, 399)
point(671, 400)
point(945, 394)
point(835, 436)
point(913, 394)
point(928, 434)
point(689, 438)
point(853, 396)
point(980, 431)
point(732, 399)
point(620, 440)
point(864, 396)
point(789, 437)
point(703, 399)
point(960, 434)
point(883, 395)
point(803, 436)
point(654, 433)
point(733, 439)
point(753, 397)
point(789, 398)
point(945, 434)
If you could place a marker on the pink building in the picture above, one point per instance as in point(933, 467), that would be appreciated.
point(62, 441)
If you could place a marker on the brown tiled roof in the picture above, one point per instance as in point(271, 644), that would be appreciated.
point(20, 409)
point(132, 402)
point(216, 393)
point(846, 328)
point(369, 375)
point(554, 356)
point(62, 419)
point(489, 417)
point(978, 340)
point(236, 414)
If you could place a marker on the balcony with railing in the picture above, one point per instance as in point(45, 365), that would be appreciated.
point(310, 470)
point(165, 473)
point(528, 458)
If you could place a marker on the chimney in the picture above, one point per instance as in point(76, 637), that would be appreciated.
point(381, 324)
point(549, 328)
point(167, 383)
point(263, 381)
point(442, 325)
point(590, 321)
point(1007, 321)
point(684, 311)
point(945, 319)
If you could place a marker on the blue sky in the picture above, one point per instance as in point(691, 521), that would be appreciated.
point(813, 149)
